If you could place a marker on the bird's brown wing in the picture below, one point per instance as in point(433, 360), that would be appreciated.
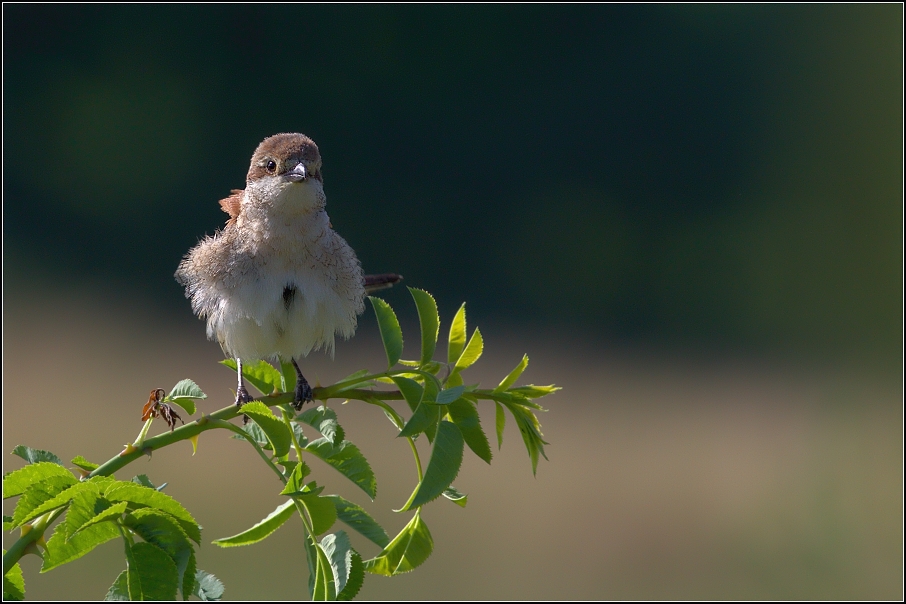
point(231, 204)
point(375, 283)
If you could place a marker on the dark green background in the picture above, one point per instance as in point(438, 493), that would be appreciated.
point(726, 177)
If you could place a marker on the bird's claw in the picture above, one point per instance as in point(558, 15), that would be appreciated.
point(302, 394)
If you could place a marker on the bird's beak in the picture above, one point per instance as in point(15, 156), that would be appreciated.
point(298, 174)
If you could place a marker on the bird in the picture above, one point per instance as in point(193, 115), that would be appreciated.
point(277, 282)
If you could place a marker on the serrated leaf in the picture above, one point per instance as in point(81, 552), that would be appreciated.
point(41, 497)
point(83, 463)
point(62, 547)
point(13, 584)
point(446, 459)
point(184, 393)
point(324, 420)
point(359, 520)
point(457, 339)
point(340, 554)
point(445, 397)
point(277, 433)
point(465, 416)
point(119, 591)
point(411, 390)
point(531, 432)
point(323, 586)
point(17, 481)
point(111, 513)
point(295, 480)
point(261, 530)
point(425, 418)
point(453, 494)
point(510, 379)
point(409, 549)
point(348, 460)
point(355, 580)
point(353, 380)
point(143, 480)
point(36, 455)
point(532, 391)
point(391, 334)
point(471, 353)
point(154, 570)
point(500, 421)
point(143, 496)
point(163, 531)
point(429, 321)
point(208, 588)
point(259, 374)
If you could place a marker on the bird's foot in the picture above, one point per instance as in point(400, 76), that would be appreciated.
point(243, 397)
point(302, 394)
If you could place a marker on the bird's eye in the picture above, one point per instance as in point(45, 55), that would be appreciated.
point(271, 166)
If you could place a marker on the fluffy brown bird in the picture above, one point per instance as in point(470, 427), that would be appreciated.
point(277, 282)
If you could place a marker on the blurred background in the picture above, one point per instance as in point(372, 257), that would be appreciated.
point(690, 217)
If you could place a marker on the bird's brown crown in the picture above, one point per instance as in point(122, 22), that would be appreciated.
point(285, 151)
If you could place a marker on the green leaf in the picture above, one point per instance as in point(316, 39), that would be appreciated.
point(63, 547)
point(110, 514)
point(391, 334)
point(341, 557)
point(119, 591)
point(295, 481)
point(36, 455)
point(408, 550)
point(500, 421)
point(13, 584)
point(324, 420)
point(83, 463)
point(411, 390)
point(163, 531)
point(348, 461)
point(154, 570)
point(208, 588)
point(472, 352)
point(446, 458)
point(355, 580)
point(429, 321)
point(277, 433)
point(359, 520)
point(288, 373)
point(18, 481)
point(49, 494)
point(465, 416)
point(184, 393)
point(323, 587)
point(143, 480)
point(350, 381)
point(445, 397)
point(514, 375)
point(259, 374)
point(453, 494)
point(531, 432)
point(425, 418)
point(261, 530)
point(532, 391)
point(143, 496)
point(457, 339)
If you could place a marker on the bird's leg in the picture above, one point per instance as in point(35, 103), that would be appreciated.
point(303, 393)
point(242, 395)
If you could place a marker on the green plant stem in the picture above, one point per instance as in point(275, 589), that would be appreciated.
point(33, 536)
